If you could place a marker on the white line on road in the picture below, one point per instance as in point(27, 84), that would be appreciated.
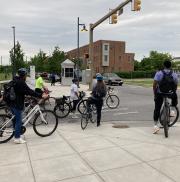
point(119, 109)
point(135, 112)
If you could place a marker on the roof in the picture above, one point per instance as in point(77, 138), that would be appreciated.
point(67, 62)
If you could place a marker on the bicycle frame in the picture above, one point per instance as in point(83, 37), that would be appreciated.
point(29, 116)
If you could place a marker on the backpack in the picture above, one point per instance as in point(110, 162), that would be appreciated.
point(9, 94)
point(99, 93)
point(167, 84)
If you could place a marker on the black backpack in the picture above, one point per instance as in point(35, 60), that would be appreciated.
point(167, 84)
point(9, 94)
point(99, 93)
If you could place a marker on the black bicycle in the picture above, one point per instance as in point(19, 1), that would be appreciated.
point(64, 105)
point(111, 100)
point(165, 114)
point(89, 114)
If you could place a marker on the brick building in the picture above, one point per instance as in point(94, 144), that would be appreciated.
point(109, 56)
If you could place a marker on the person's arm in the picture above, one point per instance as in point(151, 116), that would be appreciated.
point(155, 83)
point(28, 91)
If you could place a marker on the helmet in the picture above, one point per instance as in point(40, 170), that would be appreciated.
point(22, 72)
point(99, 77)
point(74, 80)
point(98, 74)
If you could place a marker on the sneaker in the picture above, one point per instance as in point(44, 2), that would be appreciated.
point(172, 113)
point(19, 141)
point(156, 129)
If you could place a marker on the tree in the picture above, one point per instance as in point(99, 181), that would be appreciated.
point(39, 61)
point(54, 62)
point(154, 61)
point(19, 57)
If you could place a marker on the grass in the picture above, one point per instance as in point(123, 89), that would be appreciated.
point(145, 82)
point(4, 76)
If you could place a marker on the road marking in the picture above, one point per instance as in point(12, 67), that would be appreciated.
point(119, 109)
point(135, 112)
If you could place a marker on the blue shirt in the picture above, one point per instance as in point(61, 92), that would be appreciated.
point(159, 75)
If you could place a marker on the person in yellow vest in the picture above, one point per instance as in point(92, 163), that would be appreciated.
point(40, 84)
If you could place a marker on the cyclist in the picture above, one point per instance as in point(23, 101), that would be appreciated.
point(158, 97)
point(99, 91)
point(74, 97)
point(40, 84)
point(21, 89)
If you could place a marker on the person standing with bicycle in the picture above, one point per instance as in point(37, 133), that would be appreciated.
point(165, 81)
point(99, 91)
point(21, 89)
point(74, 97)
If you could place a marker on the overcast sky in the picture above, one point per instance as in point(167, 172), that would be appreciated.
point(43, 24)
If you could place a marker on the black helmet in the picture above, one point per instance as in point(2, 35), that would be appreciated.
point(74, 80)
point(22, 72)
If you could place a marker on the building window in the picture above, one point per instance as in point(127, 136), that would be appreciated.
point(68, 72)
point(105, 58)
point(106, 47)
point(119, 58)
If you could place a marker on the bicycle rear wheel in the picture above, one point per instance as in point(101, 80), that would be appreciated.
point(84, 120)
point(112, 101)
point(6, 128)
point(44, 125)
point(62, 110)
point(173, 119)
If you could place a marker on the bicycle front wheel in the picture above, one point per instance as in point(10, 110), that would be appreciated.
point(112, 101)
point(50, 103)
point(166, 121)
point(6, 128)
point(45, 123)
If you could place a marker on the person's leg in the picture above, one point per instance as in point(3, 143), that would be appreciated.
point(75, 102)
point(18, 122)
point(99, 105)
point(158, 103)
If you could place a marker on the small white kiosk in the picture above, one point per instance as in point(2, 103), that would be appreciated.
point(67, 72)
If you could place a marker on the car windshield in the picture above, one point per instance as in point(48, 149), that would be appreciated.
point(113, 75)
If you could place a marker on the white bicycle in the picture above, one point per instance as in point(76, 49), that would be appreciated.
point(45, 123)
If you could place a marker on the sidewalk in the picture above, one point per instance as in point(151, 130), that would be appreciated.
point(103, 154)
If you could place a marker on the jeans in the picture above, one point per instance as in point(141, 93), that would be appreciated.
point(18, 122)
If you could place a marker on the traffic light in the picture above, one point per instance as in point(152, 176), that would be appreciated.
point(114, 18)
point(137, 5)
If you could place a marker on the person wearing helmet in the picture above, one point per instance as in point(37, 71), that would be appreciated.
point(74, 97)
point(99, 91)
point(21, 89)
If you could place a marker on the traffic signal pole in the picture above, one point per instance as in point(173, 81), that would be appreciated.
point(92, 27)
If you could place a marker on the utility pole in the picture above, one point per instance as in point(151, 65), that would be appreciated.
point(93, 26)
point(13, 61)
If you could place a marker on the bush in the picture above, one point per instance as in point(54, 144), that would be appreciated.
point(136, 74)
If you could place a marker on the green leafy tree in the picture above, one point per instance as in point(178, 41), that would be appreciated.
point(19, 56)
point(54, 62)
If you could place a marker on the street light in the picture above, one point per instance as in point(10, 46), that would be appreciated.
point(83, 29)
point(13, 61)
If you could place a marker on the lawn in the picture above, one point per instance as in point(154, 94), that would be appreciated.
point(146, 82)
point(4, 76)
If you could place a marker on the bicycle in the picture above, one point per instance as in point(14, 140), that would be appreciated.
point(64, 105)
point(112, 101)
point(165, 113)
point(174, 118)
point(43, 124)
point(88, 115)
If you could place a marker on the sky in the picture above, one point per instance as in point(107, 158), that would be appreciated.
point(44, 24)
